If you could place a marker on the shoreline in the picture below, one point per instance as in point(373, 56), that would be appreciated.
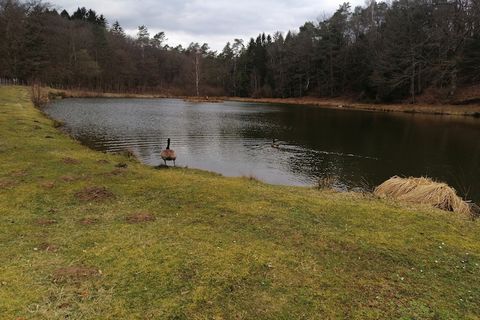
point(339, 104)
point(440, 109)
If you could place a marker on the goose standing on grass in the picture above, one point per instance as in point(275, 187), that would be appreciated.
point(275, 145)
point(168, 154)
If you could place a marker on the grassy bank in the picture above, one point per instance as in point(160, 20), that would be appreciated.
point(82, 238)
point(57, 93)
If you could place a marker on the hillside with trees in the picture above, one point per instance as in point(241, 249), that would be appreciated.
point(380, 52)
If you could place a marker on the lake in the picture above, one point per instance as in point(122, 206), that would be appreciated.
point(355, 148)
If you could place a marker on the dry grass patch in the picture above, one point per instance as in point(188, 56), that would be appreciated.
point(88, 221)
point(48, 247)
point(75, 274)
point(5, 184)
point(45, 222)
point(69, 160)
point(423, 191)
point(326, 183)
point(115, 172)
point(19, 173)
point(68, 178)
point(140, 217)
point(94, 194)
point(47, 184)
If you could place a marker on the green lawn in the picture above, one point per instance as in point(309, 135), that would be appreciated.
point(186, 244)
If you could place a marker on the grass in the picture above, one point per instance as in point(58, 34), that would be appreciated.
point(83, 239)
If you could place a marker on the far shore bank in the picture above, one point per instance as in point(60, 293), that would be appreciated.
point(436, 109)
point(440, 109)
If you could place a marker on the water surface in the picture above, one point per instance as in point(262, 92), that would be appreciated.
point(357, 148)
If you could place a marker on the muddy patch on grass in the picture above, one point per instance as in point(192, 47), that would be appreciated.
point(102, 161)
point(94, 194)
point(6, 184)
point(122, 165)
point(68, 178)
point(116, 172)
point(48, 247)
point(71, 178)
point(45, 222)
point(88, 221)
point(69, 160)
point(140, 217)
point(47, 184)
point(75, 274)
point(19, 173)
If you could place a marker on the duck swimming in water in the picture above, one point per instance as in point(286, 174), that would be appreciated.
point(275, 145)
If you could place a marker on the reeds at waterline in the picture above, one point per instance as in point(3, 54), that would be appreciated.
point(423, 191)
point(38, 96)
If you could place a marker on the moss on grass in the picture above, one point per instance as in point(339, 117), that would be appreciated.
point(212, 247)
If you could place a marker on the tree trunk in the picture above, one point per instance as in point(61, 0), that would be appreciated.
point(197, 79)
point(453, 82)
point(235, 77)
point(412, 80)
point(331, 73)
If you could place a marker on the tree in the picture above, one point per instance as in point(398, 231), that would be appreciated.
point(196, 51)
point(143, 39)
point(158, 40)
point(65, 14)
point(117, 30)
point(12, 35)
point(403, 58)
point(86, 67)
point(381, 51)
point(238, 49)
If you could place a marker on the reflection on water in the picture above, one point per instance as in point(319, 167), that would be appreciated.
point(234, 138)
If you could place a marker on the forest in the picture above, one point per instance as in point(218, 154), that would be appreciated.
point(381, 52)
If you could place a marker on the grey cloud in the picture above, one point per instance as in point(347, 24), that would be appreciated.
point(211, 21)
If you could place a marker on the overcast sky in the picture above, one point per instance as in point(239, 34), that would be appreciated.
point(212, 21)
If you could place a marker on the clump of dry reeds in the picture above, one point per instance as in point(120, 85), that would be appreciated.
point(423, 191)
point(326, 183)
point(38, 96)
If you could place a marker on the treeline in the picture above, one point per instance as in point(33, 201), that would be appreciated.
point(379, 52)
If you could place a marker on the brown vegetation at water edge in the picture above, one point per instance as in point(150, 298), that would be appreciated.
point(343, 104)
point(423, 191)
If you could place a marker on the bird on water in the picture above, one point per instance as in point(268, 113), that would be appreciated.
point(274, 144)
point(168, 154)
